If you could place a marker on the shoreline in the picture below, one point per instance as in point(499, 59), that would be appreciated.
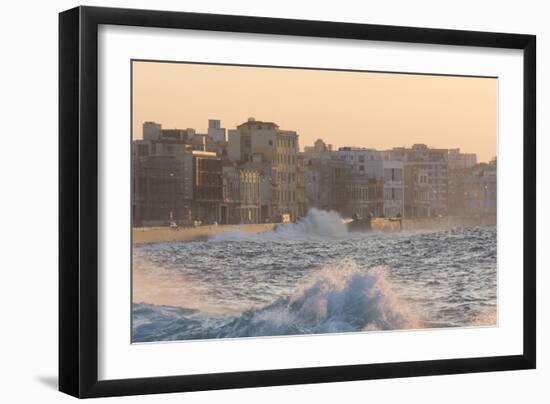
point(144, 235)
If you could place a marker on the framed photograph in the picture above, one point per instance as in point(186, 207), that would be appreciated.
point(250, 201)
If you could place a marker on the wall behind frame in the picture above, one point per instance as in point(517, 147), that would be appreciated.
point(28, 218)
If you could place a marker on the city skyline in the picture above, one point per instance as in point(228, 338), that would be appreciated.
point(464, 109)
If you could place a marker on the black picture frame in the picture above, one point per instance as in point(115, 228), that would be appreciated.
point(78, 201)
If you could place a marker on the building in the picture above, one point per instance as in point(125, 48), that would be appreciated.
point(162, 190)
point(382, 182)
point(241, 195)
point(325, 183)
point(158, 141)
point(249, 181)
point(216, 138)
point(353, 180)
point(166, 142)
point(363, 181)
point(394, 205)
point(423, 163)
point(151, 130)
point(317, 150)
point(162, 180)
point(301, 185)
point(417, 192)
point(458, 160)
point(207, 186)
point(257, 140)
point(362, 161)
point(364, 196)
point(473, 190)
point(480, 193)
point(171, 180)
point(180, 187)
point(216, 133)
point(457, 179)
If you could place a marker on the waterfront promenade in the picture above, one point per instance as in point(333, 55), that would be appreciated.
point(143, 235)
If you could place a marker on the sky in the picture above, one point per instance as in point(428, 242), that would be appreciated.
point(360, 109)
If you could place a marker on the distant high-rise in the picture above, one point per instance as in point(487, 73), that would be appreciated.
point(151, 130)
point(216, 133)
point(458, 160)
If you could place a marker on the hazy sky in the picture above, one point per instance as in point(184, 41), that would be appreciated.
point(376, 110)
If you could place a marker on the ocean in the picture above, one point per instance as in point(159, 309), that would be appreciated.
point(314, 277)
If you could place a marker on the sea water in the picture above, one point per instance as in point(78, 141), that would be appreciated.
point(314, 277)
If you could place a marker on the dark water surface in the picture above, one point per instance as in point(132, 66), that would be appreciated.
point(314, 277)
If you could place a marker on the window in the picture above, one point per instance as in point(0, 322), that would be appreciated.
point(270, 142)
point(143, 149)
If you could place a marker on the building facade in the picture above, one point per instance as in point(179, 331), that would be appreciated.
point(325, 183)
point(421, 162)
point(256, 173)
point(265, 141)
point(172, 182)
point(480, 192)
point(394, 202)
point(317, 150)
point(473, 190)
point(362, 161)
point(241, 195)
point(161, 190)
point(207, 187)
point(364, 197)
point(458, 160)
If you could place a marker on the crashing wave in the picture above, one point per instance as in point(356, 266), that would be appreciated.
point(335, 299)
point(339, 298)
point(317, 223)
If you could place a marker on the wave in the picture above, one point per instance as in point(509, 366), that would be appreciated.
point(339, 298)
point(316, 224)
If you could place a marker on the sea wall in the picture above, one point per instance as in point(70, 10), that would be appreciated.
point(143, 235)
point(428, 223)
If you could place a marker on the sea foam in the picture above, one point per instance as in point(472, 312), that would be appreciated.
point(316, 224)
point(337, 298)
